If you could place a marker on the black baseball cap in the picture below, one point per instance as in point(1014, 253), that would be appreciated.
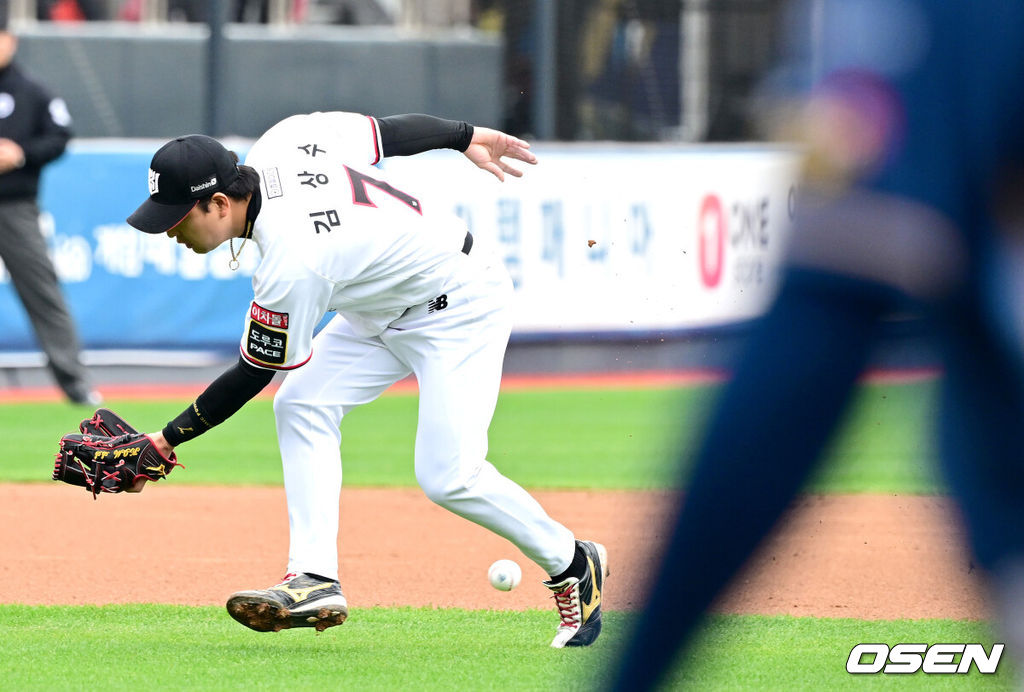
point(182, 172)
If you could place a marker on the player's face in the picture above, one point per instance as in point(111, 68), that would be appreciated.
point(201, 231)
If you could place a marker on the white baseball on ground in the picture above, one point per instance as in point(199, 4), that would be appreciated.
point(504, 575)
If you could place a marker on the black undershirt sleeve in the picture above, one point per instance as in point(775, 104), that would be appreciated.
point(218, 402)
point(413, 133)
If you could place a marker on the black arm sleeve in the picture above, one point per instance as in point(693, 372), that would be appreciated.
point(413, 133)
point(218, 402)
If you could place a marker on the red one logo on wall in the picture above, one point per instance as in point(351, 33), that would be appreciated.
point(711, 241)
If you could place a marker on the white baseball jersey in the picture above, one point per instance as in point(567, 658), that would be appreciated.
point(335, 235)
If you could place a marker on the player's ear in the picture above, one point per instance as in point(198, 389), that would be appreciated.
point(220, 202)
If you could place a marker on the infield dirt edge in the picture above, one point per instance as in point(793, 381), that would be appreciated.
point(851, 556)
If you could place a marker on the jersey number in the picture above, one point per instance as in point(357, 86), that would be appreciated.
point(361, 196)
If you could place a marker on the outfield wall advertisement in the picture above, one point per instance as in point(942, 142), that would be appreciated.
point(599, 239)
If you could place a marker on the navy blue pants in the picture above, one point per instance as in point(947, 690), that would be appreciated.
point(956, 143)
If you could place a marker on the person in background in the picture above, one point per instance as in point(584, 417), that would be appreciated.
point(35, 127)
point(72, 10)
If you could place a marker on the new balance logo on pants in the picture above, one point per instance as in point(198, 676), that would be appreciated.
point(439, 303)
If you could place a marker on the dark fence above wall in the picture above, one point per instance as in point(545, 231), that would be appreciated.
point(136, 80)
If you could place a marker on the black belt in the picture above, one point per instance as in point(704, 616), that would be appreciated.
point(467, 245)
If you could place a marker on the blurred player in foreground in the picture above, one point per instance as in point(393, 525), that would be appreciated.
point(413, 295)
point(913, 197)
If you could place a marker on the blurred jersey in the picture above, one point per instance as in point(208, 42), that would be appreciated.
point(918, 98)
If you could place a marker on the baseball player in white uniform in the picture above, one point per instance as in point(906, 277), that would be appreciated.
point(412, 295)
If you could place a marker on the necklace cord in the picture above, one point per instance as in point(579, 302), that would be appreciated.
point(251, 212)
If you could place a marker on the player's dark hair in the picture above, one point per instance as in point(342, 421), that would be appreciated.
point(247, 182)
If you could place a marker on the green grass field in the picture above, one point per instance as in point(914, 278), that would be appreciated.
point(178, 648)
point(627, 439)
point(616, 438)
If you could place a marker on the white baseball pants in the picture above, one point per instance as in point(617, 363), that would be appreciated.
point(456, 354)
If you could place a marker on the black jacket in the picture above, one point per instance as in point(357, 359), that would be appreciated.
point(37, 121)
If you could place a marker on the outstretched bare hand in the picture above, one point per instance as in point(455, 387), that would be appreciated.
point(488, 147)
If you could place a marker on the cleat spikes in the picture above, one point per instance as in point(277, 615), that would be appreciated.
point(298, 601)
